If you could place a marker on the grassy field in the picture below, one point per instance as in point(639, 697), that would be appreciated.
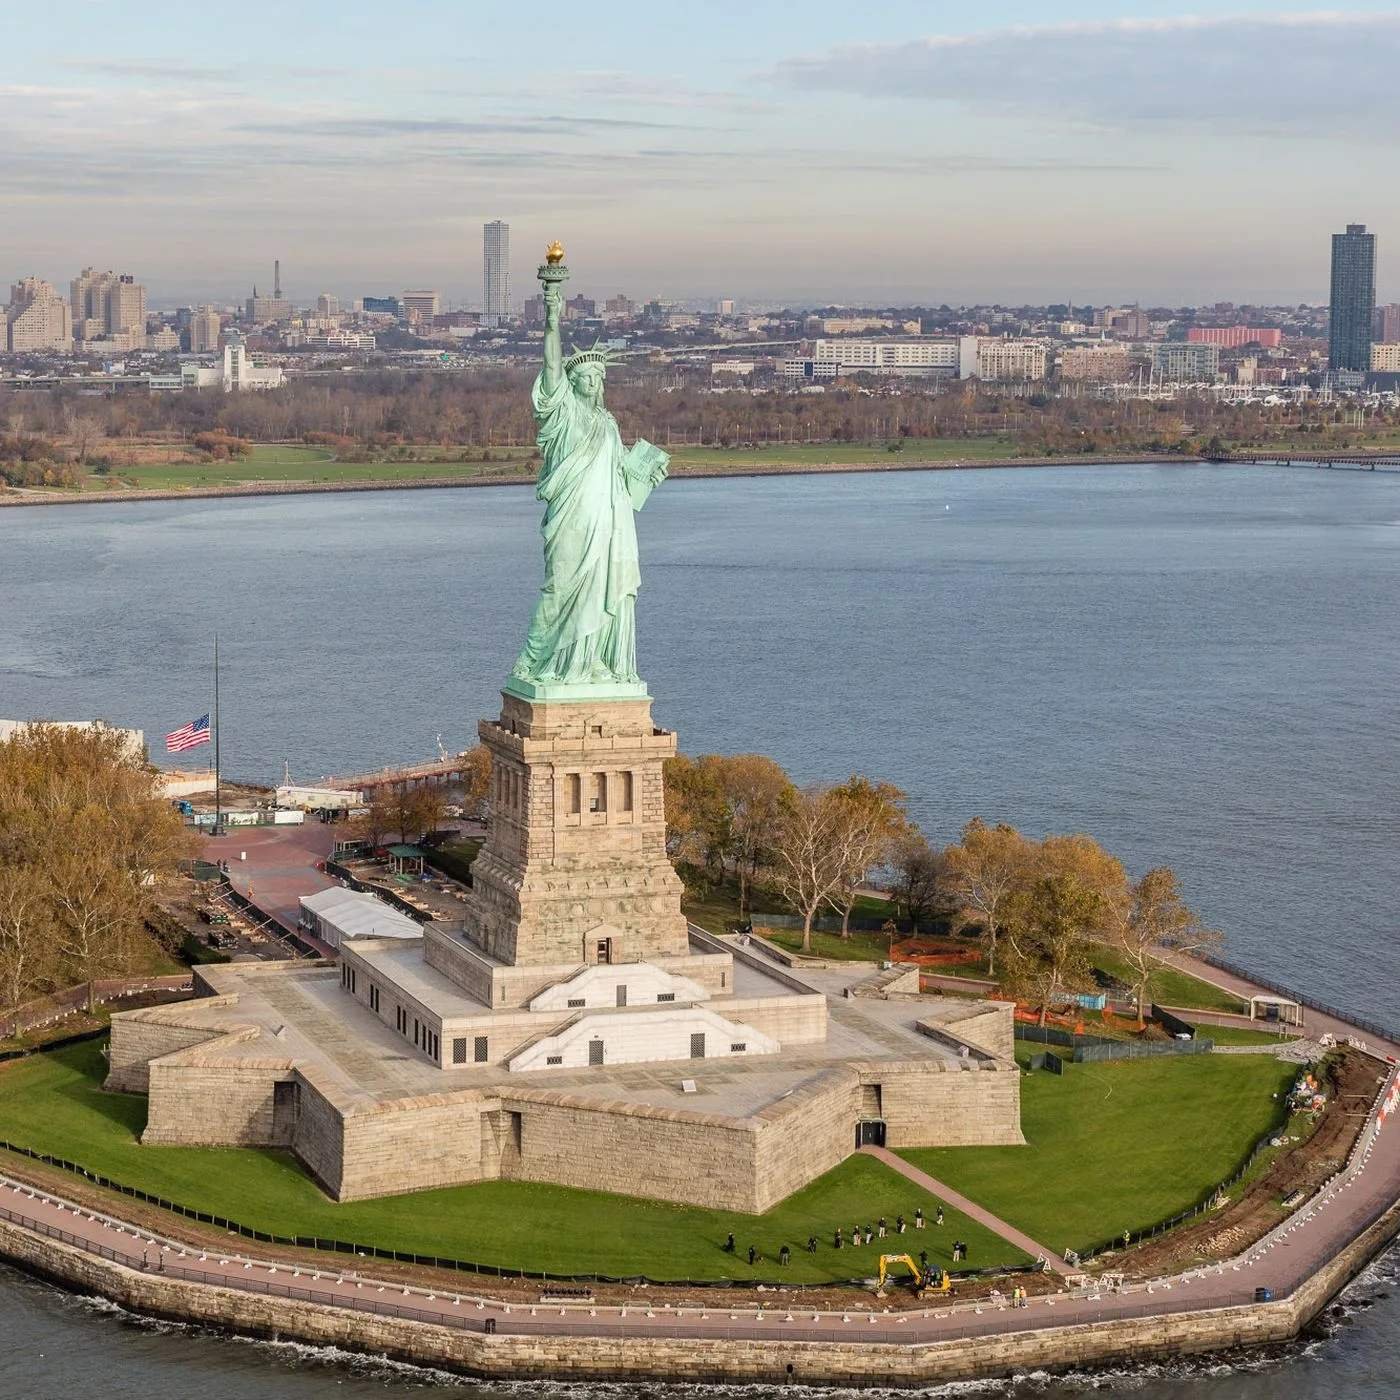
point(54, 1103)
point(859, 947)
point(845, 454)
point(1118, 1146)
point(292, 463)
point(1170, 987)
point(1240, 1035)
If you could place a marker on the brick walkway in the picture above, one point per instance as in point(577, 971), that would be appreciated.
point(969, 1208)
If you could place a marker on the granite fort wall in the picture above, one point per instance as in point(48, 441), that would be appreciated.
point(805, 1135)
point(968, 1104)
point(138, 1037)
point(226, 1103)
point(663, 1154)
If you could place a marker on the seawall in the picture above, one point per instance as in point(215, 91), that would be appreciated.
point(544, 1353)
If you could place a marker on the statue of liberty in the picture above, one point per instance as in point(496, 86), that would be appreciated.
point(582, 639)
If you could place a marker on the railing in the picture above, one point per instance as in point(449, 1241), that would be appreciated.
point(966, 1319)
point(1281, 989)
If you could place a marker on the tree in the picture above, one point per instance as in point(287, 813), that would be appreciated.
point(808, 863)
point(415, 810)
point(1158, 924)
point(85, 840)
point(923, 878)
point(376, 820)
point(697, 821)
point(873, 820)
point(26, 936)
point(987, 866)
point(476, 779)
point(757, 795)
point(1051, 924)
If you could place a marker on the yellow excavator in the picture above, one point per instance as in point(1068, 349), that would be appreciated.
point(934, 1281)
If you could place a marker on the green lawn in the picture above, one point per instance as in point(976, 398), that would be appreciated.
point(1241, 1035)
point(1118, 1146)
point(53, 1103)
point(859, 947)
point(455, 858)
point(292, 462)
point(1170, 987)
point(844, 454)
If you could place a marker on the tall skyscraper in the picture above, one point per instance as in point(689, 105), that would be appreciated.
point(88, 292)
point(495, 272)
point(126, 306)
point(1353, 299)
point(1388, 323)
point(205, 326)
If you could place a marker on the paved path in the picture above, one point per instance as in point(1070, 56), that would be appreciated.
point(1366, 1188)
point(969, 1208)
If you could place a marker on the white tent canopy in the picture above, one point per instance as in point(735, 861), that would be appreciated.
point(337, 914)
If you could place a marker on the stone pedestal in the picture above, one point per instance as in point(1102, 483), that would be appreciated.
point(575, 868)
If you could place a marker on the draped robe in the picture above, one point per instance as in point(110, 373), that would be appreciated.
point(583, 628)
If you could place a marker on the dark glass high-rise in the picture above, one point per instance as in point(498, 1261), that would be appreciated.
point(1353, 298)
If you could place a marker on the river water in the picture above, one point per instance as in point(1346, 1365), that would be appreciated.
point(1199, 665)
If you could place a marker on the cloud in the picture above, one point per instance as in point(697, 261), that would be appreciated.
point(389, 128)
point(172, 72)
point(1270, 73)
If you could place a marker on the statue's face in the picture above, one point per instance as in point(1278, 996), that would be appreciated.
point(587, 380)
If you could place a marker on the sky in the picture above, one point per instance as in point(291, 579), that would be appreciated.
point(892, 151)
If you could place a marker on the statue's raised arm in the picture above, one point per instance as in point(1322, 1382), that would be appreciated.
point(553, 373)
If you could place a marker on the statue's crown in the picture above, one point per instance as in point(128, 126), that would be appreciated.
point(596, 354)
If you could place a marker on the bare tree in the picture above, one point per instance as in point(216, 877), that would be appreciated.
point(808, 860)
point(988, 865)
point(1158, 924)
point(873, 822)
point(923, 878)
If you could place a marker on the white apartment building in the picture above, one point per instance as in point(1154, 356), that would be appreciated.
point(1010, 360)
point(1385, 358)
point(88, 302)
point(205, 326)
point(912, 358)
point(37, 318)
point(1186, 362)
point(420, 305)
point(235, 374)
point(126, 307)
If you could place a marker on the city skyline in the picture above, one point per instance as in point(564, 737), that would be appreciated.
point(1107, 156)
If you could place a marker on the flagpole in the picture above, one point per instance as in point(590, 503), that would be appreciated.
point(218, 792)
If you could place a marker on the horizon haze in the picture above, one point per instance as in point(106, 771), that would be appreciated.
point(900, 153)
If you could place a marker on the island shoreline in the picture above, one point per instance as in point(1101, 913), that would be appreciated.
point(35, 497)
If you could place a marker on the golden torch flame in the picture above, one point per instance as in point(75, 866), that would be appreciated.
point(554, 253)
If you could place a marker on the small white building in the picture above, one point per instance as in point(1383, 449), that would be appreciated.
point(318, 799)
point(337, 914)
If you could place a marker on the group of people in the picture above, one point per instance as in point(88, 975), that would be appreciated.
point(861, 1235)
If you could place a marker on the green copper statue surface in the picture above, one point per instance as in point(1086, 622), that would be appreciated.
point(582, 641)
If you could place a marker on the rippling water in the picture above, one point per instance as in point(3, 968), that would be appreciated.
point(1199, 665)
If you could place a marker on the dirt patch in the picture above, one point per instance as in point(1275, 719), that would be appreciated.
point(1351, 1080)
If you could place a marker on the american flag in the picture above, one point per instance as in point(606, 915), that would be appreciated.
point(190, 737)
